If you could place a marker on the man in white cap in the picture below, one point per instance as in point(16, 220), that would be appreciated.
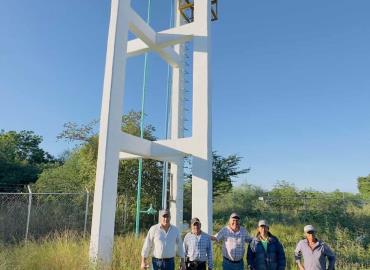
point(198, 248)
point(234, 238)
point(162, 241)
point(314, 252)
point(265, 252)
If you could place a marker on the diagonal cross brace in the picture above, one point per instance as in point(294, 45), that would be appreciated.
point(160, 42)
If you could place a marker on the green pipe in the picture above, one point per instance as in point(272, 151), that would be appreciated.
point(138, 196)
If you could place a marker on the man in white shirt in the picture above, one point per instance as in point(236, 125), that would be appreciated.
point(162, 241)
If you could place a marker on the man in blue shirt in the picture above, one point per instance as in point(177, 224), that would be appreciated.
point(198, 248)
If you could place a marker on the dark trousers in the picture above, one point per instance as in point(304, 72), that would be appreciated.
point(163, 264)
point(195, 265)
point(232, 265)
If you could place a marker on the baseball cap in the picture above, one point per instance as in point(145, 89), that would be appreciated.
point(235, 215)
point(263, 222)
point(194, 220)
point(164, 212)
point(309, 228)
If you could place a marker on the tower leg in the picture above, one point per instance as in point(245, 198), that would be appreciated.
point(177, 193)
point(102, 230)
point(202, 120)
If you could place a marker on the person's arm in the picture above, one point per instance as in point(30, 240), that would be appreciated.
point(147, 247)
point(248, 237)
point(281, 256)
point(144, 263)
point(298, 256)
point(218, 236)
point(250, 257)
point(331, 257)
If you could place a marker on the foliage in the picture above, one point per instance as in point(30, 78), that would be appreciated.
point(284, 196)
point(76, 174)
point(363, 184)
point(21, 159)
point(224, 169)
point(238, 200)
point(78, 171)
point(73, 132)
point(286, 205)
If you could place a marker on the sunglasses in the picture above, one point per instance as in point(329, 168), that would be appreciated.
point(310, 232)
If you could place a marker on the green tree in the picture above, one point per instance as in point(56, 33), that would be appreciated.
point(363, 184)
point(224, 170)
point(79, 169)
point(243, 200)
point(21, 159)
point(284, 196)
point(73, 132)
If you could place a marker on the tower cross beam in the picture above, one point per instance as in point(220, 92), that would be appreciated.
point(160, 42)
point(166, 38)
point(136, 147)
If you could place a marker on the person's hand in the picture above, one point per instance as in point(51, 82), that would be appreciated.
point(144, 266)
point(301, 267)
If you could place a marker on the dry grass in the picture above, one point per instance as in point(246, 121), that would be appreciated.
point(70, 251)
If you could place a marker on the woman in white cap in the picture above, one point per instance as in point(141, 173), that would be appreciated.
point(265, 252)
point(314, 252)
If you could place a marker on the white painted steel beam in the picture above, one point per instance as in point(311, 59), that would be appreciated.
point(144, 32)
point(134, 145)
point(177, 132)
point(183, 145)
point(176, 202)
point(102, 228)
point(163, 39)
point(202, 118)
point(127, 156)
point(138, 147)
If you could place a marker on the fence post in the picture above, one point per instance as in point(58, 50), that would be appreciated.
point(29, 211)
point(86, 210)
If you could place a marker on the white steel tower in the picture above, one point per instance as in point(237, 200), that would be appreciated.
point(115, 144)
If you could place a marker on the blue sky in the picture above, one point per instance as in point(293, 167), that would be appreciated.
point(290, 81)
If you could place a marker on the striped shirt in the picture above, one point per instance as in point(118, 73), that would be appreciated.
point(233, 246)
point(198, 248)
point(162, 244)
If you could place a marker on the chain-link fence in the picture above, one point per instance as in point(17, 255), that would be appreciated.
point(33, 215)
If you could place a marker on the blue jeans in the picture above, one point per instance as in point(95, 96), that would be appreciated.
point(163, 264)
point(227, 265)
